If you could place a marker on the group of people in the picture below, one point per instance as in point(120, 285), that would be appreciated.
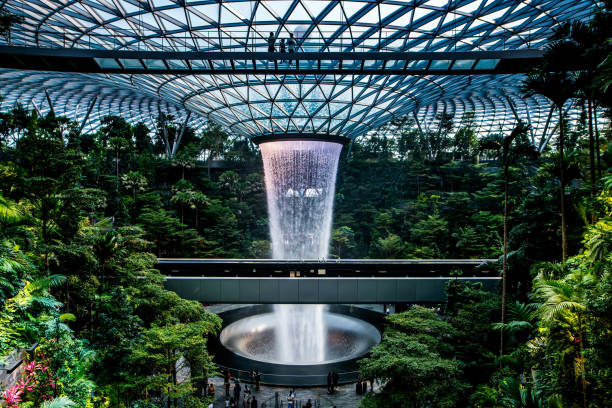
point(290, 45)
point(248, 400)
point(332, 381)
point(361, 387)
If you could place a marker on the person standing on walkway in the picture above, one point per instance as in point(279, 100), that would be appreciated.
point(257, 379)
point(237, 389)
point(329, 382)
point(291, 399)
point(291, 43)
point(271, 42)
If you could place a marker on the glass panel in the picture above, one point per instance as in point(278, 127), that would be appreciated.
point(131, 63)
point(486, 64)
point(439, 64)
point(154, 64)
point(463, 64)
point(420, 64)
point(395, 64)
point(177, 64)
point(199, 64)
point(107, 63)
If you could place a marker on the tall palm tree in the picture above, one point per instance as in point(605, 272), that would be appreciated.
point(509, 150)
point(586, 43)
point(558, 87)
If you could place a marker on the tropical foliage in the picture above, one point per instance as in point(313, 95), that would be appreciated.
point(83, 217)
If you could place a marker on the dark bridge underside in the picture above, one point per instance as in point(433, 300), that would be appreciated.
point(303, 63)
point(331, 282)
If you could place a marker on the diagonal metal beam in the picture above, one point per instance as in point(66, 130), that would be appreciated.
point(91, 106)
point(177, 142)
point(49, 102)
point(162, 121)
point(543, 140)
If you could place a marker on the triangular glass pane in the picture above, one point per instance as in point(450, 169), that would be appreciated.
point(430, 26)
point(299, 15)
point(350, 8)
point(470, 7)
point(208, 10)
point(403, 20)
point(420, 12)
point(279, 8)
point(170, 26)
point(315, 7)
point(334, 16)
point(128, 7)
point(262, 15)
point(227, 16)
point(371, 17)
point(106, 16)
point(197, 21)
point(243, 8)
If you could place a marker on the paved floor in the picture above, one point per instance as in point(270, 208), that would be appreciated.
point(344, 397)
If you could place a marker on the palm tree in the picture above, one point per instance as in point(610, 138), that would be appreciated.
point(509, 150)
point(521, 318)
point(584, 42)
point(13, 269)
point(558, 87)
point(565, 299)
point(61, 402)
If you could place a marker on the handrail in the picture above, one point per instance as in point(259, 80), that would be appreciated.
point(253, 41)
point(284, 375)
point(307, 380)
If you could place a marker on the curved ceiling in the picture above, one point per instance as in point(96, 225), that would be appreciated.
point(255, 105)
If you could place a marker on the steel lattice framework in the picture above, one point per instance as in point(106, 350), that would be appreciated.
point(268, 104)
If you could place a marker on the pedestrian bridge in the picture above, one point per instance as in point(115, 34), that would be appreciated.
point(277, 63)
point(311, 281)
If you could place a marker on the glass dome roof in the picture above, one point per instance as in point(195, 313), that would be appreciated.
point(268, 104)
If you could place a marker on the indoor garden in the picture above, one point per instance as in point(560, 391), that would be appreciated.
point(104, 175)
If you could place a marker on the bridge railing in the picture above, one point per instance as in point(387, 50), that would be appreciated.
point(275, 379)
point(257, 41)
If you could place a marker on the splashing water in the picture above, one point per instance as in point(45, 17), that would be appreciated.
point(300, 180)
point(301, 333)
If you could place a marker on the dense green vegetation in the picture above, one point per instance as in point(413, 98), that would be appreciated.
point(553, 316)
point(84, 215)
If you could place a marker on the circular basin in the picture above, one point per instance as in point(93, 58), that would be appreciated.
point(257, 338)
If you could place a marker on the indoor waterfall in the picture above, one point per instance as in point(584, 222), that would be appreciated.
point(300, 177)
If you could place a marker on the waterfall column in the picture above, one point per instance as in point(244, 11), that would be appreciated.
point(300, 178)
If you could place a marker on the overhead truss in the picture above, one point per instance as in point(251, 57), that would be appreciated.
point(345, 103)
